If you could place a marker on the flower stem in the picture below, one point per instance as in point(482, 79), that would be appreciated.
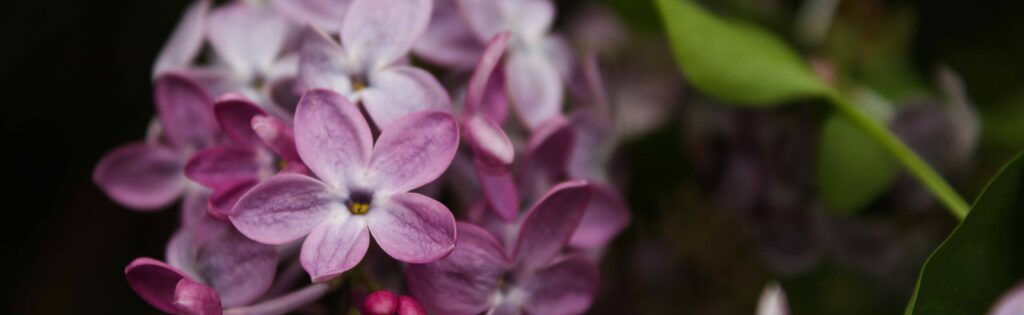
point(285, 303)
point(924, 173)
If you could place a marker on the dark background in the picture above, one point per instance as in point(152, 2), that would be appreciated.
point(76, 84)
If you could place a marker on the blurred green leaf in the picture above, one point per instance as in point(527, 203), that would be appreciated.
point(983, 257)
point(736, 62)
point(852, 168)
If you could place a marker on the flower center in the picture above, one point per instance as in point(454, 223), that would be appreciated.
point(358, 83)
point(359, 202)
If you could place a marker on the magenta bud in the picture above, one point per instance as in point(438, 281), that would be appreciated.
point(382, 302)
point(408, 306)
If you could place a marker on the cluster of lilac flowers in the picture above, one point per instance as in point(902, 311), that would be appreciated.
point(306, 130)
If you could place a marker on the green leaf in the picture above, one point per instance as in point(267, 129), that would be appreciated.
point(852, 168)
point(736, 62)
point(983, 257)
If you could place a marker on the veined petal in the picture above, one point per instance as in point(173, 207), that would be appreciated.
point(413, 228)
point(185, 41)
point(535, 87)
point(484, 72)
point(414, 151)
point(332, 137)
point(141, 176)
point(154, 281)
point(489, 142)
point(379, 32)
point(222, 166)
point(277, 135)
point(568, 286)
point(606, 215)
point(239, 269)
point(464, 281)
point(324, 64)
point(284, 208)
point(185, 110)
point(193, 298)
point(335, 246)
point(234, 114)
point(322, 14)
point(224, 199)
point(401, 90)
point(548, 226)
point(232, 29)
point(448, 41)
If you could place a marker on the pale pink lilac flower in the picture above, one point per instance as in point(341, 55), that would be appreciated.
point(261, 145)
point(321, 14)
point(181, 49)
point(363, 188)
point(210, 266)
point(532, 276)
point(250, 41)
point(368, 66)
point(537, 62)
point(150, 175)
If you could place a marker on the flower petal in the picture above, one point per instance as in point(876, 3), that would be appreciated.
point(240, 269)
point(773, 302)
point(448, 41)
point(401, 90)
point(154, 281)
point(277, 135)
point(379, 32)
point(323, 63)
point(568, 286)
point(322, 14)
point(223, 166)
point(335, 246)
point(591, 135)
point(489, 142)
point(231, 28)
point(195, 205)
point(413, 228)
point(234, 115)
point(414, 151)
point(185, 41)
point(185, 110)
point(500, 191)
point(462, 282)
point(193, 298)
point(484, 72)
point(284, 208)
point(223, 200)
point(141, 176)
point(535, 87)
point(547, 155)
point(548, 226)
point(527, 19)
point(606, 215)
point(331, 135)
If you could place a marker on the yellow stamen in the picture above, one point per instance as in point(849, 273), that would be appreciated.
point(359, 208)
point(358, 85)
point(282, 164)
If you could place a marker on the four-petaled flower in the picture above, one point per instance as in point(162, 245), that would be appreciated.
point(362, 188)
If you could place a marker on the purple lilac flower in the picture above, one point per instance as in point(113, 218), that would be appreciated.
point(321, 14)
point(361, 188)
point(448, 40)
point(260, 146)
point(481, 275)
point(384, 302)
point(537, 61)
point(210, 266)
point(182, 48)
point(150, 175)
point(368, 66)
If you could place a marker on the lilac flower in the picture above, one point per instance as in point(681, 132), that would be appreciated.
point(480, 275)
point(448, 40)
point(211, 266)
point(370, 69)
point(362, 188)
point(252, 65)
point(537, 61)
point(150, 175)
point(321, 14)
point(261, 145)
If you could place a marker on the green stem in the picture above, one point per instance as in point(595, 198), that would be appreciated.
point(924, 173)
